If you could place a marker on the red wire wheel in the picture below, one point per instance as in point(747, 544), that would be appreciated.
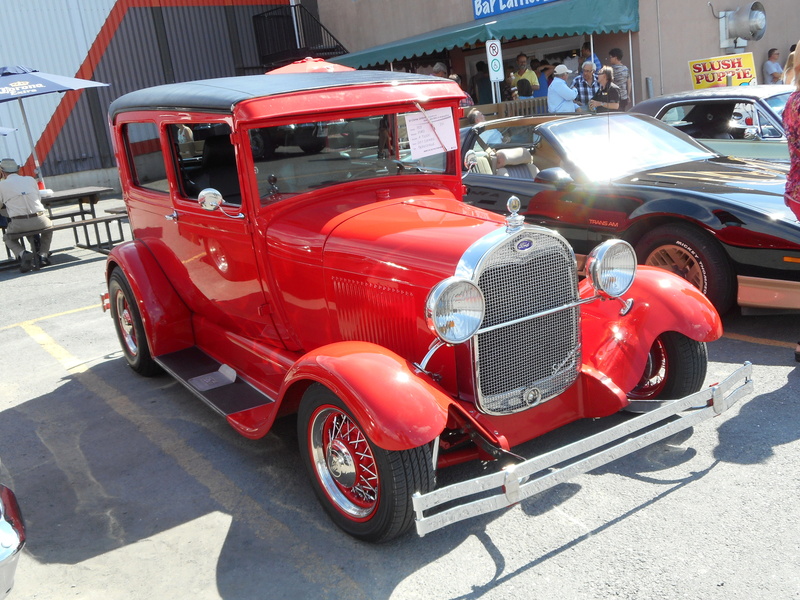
point(344, 463)
point(676, 367)
point(365, 489)
point(654, 377)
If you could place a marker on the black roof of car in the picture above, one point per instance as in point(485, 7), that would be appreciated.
point(221, 95)
point(753, 92)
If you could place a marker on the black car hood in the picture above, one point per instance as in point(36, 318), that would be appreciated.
point(755, 183)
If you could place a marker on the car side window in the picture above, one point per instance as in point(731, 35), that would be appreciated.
point(146, 157)
point(205, 158)
point(768, 129)
point(676, 115)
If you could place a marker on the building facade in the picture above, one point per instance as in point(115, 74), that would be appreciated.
point(129, 44)
point(658, 37)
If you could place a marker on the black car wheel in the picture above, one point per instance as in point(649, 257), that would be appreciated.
point(676, 367)
point(364, 489)
point(693, 255)
point(129, 326)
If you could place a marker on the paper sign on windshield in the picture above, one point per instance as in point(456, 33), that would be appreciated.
point(431, 135)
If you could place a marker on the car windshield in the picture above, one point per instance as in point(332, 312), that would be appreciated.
point(778, 103)
point(613, 146)
point(304, 156)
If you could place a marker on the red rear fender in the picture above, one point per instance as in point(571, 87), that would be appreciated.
point(166, 319)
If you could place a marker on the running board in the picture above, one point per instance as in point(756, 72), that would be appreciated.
point(517, 482)
point(214, 383)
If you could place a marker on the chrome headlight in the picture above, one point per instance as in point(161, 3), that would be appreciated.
point(611, 267)
point(454, 309)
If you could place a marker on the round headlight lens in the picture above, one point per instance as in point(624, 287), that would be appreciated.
point(611, 267)
point(454, 309)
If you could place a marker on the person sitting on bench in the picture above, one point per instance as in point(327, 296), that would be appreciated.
point(19, 194)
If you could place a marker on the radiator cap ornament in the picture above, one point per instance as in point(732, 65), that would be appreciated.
point(514, 220)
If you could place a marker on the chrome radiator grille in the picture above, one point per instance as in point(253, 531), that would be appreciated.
point(521, 365)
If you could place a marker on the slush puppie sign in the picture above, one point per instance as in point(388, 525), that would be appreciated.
point(714, 72)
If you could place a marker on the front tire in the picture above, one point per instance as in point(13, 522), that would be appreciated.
point(694, 255)
point(676, 367)
point(364, 489)
point(129, 326)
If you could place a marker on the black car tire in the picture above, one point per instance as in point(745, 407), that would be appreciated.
point(338, 455)
point(676, 367)
point(693, 255)
point(129, 326)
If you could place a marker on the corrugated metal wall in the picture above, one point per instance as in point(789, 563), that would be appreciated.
point(131, 44)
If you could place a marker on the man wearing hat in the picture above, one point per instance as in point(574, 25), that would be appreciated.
point(561, 97)
point(19, 195)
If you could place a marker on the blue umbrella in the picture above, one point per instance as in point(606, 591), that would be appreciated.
point(18, 82)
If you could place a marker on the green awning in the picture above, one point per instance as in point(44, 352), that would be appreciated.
point(562, 18)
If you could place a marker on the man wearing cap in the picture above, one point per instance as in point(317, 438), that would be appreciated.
point(561, 97)
point(19, 195)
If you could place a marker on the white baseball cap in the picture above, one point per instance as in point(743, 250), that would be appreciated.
point(561, 70)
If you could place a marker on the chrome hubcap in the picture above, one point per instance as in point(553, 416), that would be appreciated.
point(341, 464)
point(344, 463)
point(125, 321)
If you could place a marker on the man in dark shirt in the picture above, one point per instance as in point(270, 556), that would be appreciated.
point(607, 97)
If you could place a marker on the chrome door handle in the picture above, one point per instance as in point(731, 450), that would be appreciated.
point(172, 217)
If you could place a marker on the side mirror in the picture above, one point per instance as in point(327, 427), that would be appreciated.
point(209, 199)
point(751, 133)
point(555, 176)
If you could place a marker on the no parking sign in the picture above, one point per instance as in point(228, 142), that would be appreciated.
point(494, 56)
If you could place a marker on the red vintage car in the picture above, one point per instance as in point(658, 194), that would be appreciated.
point(300, 246)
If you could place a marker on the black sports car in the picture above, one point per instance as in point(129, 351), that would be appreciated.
point(744, 121)
point(719, 222)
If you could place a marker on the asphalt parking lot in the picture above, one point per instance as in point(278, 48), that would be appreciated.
point(132, 488)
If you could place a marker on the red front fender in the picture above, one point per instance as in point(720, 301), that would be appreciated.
point(618, 345)
point(166, 319)
point(398, 407)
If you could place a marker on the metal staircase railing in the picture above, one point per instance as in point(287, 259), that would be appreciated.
point(288, 33)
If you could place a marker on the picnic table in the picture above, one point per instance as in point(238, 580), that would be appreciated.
point(75, 209)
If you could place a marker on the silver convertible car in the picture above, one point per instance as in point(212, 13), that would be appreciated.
point(743, 121)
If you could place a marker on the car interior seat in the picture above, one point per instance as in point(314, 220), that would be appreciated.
point(482, 164)
point(219, 169)
point(716, 123)
point(517, 163)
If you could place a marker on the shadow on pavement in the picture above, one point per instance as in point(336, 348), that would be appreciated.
point(108, 459)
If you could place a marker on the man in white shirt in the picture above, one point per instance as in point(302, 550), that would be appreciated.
point(19, 195)
point(561, 97)
point(773, 71)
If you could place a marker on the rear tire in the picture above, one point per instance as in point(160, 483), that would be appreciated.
point(676, 367)
point(364, 489)
point(129, 326)
point(694, 255)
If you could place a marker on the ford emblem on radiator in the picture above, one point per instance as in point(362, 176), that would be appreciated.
point(523, 245)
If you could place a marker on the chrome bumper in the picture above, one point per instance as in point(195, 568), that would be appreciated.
point(517, 482)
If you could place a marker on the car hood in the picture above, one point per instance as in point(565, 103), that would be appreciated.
point(416, 241)
point(757, 184)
